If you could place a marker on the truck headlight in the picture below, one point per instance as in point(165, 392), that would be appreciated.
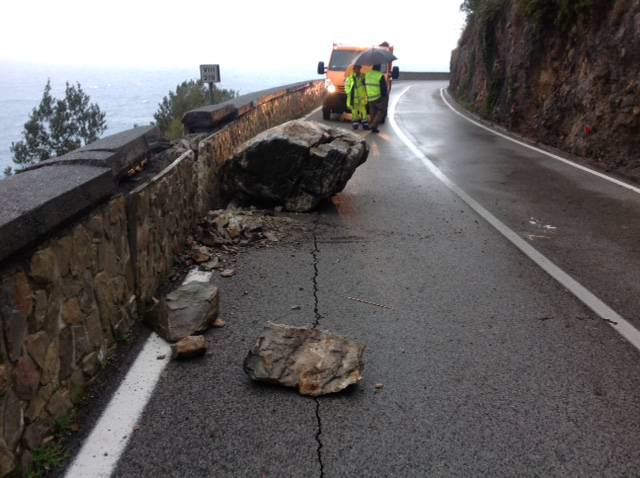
point(331, 88)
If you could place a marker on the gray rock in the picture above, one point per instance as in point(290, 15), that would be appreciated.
point(188, 310)
point(314, 361)
point(296, 165)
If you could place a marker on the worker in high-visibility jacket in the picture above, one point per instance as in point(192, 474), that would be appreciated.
point(356, 92)
point(376, 86)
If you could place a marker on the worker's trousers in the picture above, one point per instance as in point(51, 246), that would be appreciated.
point(359, 110)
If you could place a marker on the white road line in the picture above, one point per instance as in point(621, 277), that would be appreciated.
point(541, 151)
point(101, 451)
point(615, 320)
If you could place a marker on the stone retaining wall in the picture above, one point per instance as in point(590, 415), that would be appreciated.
point(68, 296)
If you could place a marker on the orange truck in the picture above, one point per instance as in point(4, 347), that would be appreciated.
point(339, 68)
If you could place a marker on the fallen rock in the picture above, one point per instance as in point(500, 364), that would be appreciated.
point(189, 347)
point(201, 254)
point(296, 165)
point(314, 361)
point(189, 309)
point(227, 273)
point(218, 323)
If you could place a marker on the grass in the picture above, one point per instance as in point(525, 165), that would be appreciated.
point(45, 459)
point(62, 425)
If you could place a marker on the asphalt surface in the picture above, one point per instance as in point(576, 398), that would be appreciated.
point(489, 367)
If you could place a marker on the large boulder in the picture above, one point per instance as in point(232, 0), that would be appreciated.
point(311, 360)
point(296, 165)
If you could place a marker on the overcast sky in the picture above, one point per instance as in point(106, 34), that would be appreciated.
point(239, 34)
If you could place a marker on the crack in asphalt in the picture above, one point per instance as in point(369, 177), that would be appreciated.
point(314, 253)
point(319, 437)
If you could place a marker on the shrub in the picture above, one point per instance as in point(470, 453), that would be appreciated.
point(188, 95)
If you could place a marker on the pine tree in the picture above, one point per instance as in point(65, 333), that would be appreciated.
point(56, 127)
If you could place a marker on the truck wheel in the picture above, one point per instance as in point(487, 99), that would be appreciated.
point(326, 114)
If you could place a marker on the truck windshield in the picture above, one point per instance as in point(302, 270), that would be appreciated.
point(341, 59)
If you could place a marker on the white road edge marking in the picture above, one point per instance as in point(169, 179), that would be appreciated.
point(542, 151)
point(101, 451)
point(615, 320)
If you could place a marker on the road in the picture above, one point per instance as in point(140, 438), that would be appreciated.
point(490, 366)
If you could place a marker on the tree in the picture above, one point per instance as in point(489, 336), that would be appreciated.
point(188, 95)
point(8, 171)
point(469, 6)
point(56, 127)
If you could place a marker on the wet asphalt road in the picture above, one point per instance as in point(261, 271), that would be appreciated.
point(490, 368)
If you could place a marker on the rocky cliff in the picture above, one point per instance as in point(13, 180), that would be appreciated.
point(565, 73)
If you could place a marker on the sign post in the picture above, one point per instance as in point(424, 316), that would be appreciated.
point(210, 74)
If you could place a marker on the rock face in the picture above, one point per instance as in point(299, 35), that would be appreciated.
point(316, 362)
point(189, 309)
point(296, 165)
point(534, 70)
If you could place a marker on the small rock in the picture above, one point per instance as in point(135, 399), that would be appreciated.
point(218, 323)
point(227, 273)
point(315, 362)
point(212, 264)
point(201, 254)
point(234, 228)
point(295, 307)
point(278, 209)
point(189, 347)
point(379, 386)
point(270, 236)
point(187, 310)
point(161, 357)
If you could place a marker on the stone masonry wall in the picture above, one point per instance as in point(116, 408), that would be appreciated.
point(62, 309)
point(68, 301)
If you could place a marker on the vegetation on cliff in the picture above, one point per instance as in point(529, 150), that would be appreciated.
point(562, 72)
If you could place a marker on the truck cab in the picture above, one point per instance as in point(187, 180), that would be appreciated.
point(338, 68)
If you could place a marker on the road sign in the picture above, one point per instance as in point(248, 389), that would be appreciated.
point(210, 73)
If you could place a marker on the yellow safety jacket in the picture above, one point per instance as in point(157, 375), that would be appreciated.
point(354, 87)
point(372, 82)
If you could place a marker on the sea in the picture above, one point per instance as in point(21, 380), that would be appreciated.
point(128, 96)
